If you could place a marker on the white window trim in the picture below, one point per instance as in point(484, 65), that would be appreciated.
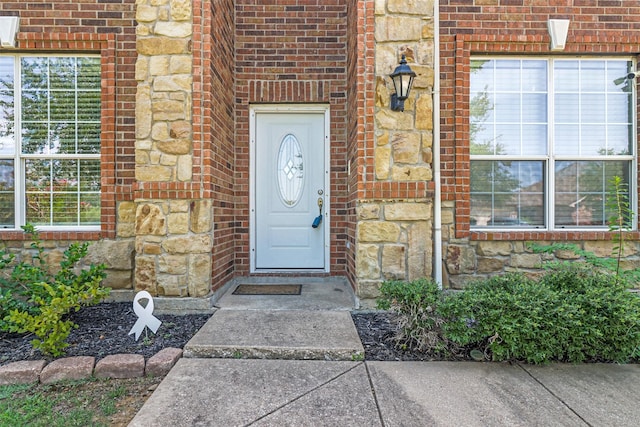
point(19, 158)
point(550, 160)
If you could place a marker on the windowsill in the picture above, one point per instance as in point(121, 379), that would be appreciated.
point(79, 234)
point(555, 235)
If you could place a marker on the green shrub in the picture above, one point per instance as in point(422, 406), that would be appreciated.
point(506, 317)
point(416, 304)
point(572, 314)
point(32, 299)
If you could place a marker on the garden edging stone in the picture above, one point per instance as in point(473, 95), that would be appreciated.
point(82, 367)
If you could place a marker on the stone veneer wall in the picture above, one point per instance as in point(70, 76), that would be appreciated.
point(173, 222)
point(395, 204)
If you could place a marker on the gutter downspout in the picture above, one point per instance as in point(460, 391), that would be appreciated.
point(437, 203)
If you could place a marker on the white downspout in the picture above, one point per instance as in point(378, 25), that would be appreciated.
point(437, 203)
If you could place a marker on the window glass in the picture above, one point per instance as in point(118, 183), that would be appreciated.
point(59, 139)
point(581, 133)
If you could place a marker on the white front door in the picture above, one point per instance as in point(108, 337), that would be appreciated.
point(290, 184)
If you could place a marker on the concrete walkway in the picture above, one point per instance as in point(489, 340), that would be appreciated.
point(273, 390)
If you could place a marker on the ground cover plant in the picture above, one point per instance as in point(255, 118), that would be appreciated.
point(571, 314)
point(33, 299)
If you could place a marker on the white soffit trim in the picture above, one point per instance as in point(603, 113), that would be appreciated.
point(9, 26)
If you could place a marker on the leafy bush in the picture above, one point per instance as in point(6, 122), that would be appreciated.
point(32, 299)
point(571, 314)
point(416, 304)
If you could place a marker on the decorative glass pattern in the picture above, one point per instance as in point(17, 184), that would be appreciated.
point(290, 171)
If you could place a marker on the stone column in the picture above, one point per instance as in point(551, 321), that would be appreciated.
point(173, 238)
point(394, 236)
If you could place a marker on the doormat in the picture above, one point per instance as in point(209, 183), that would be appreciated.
point(268, 290)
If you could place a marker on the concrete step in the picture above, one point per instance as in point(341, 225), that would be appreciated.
point(277, 334)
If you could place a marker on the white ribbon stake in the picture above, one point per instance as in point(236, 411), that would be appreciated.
point(145, 315)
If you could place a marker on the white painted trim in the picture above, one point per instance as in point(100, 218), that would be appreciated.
point(291, 108)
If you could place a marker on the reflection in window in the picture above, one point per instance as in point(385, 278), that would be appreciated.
point(546, 138)
point(54, 137)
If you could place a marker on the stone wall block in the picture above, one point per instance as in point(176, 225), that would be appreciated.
point(393, 262)
point(180, 10)
point(368, 211)
point(187, 244)
point(180, 129)
point(604, 249)
point(367, 261)
point(178, 223)
point(369, 289)
point(168, 109)
point(180, 64)
point(424, 111)
point(407, 211)
point(411, 7)
point(172, 83)
point(143, 111)
point(173, 29)
point(201, 216)
point(174, 146)
point(170, 285)
point(142, 68)
point(394, 120)
point(159, 65)
point(172, 264)
point(526, 261)
point(460, 259)
point(150, 219)
point(146, 13)
point(378, 231)
point(490, 249)
point(382, 161)
point(199, 282)
point(490, 265)
point(116, 254)
point(145, 274)
point(411, 173)
point(419, 250)
point(118, 279)
point(153, 173)
point(184, 169)
point(406, 147)
point(162, 46)
point(398, 28)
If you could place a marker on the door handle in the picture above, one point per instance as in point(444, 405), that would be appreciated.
point(318, 219)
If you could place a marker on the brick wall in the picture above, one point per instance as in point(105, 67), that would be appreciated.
point(101, 27)
point(518, 27)
point(289, 51)
point(218, 106)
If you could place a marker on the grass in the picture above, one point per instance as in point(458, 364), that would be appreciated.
point(90, 402)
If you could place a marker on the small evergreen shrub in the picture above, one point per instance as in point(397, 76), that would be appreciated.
point(416, 304)
point(572, 314)
point(32, 299)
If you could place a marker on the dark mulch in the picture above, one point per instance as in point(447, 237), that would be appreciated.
point(103, 330)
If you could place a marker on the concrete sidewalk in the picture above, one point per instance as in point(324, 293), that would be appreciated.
point(229, 392)
point(337, 389)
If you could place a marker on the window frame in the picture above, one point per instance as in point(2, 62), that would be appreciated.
point(549, 159)
point(19, 158)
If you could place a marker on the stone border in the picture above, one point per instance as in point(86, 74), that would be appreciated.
point(84, 367)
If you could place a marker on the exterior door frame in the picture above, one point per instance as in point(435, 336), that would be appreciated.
point(283, 109)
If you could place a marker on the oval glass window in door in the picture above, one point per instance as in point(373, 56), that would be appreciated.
point(290, 170)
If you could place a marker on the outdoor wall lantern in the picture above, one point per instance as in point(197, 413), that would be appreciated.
point(9, 26)
point(402, 78)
